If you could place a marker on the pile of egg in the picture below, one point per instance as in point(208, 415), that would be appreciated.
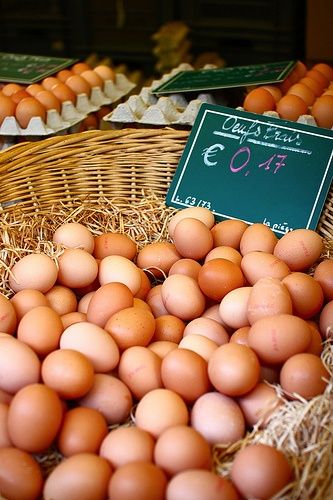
point(79, 94)
point(132, 362)
point(304, 92)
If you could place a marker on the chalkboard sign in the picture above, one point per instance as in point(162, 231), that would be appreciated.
point(254, 168)
point(233, 76)
point(23, 68)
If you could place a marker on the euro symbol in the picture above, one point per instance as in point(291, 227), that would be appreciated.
point(211, 152)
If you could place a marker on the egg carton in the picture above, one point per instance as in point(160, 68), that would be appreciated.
point(147, 108)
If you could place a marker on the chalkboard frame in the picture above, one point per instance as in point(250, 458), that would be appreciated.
point(194, 186)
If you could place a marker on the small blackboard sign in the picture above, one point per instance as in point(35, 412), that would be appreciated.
point(254, 168)
point(23, 68)
point(233, 76)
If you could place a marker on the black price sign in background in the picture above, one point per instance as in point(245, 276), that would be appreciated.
point(254, 168)
point(232, 76)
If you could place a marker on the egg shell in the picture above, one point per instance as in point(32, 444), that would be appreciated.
point(69, 372)
point(182, 297)
point(84, 476)
point(41, 329)
point(233, 308)
point(10, 89)
point(107, 300)
point(299, 248)
point(145, 286)
point(27, 299)
point(304, 374)
point(256, 265)
point(5, 440)
point(19, 95)
point(198, 483)
point(73, 317)
point(158, 257)
point(114, 244)
point(110, 396)
point(323, 274)
point(49, 82)
point(201, 213)
point(77, 268)
point(277, 338)
point(138, 481)
point(140, 369)
point(169, 327)
point(291, 107)
point(78, 84)
point(200, 344)
point(35, 271)
point(19, 365)
point(92, 78)
point(240, 336)
point(82, 430)
point(219, 276)
point(260, 471)
point(28, 108)
point(258, 237)
point(185, 372)
point(94, 342)
point(63, 92)
point(259, 404)
point(127, 444)
point(7, 107)
point(160, 409)
point(8, 317)
point(218, 418)
point(259, 100)
point(74, 235)
point(61, 299)
point(212, 312)
point(268, 296)
point(189, 267)
point(48, 100)
point(141, 303)
point(316, 344)
point(64, 74)
point(131, 326)
point(224, 252)
point(34, 88)
point(121, 269)
point(84, 302)
point(181, 448)
point(326, 321)
point(155, 301)
point(306, 294)
point(5, 397)
point(209, 328)
point(21, 476)
point(79, 67)
point(34, 418)
point(229, 232)
point(105, 72)
point(162, 347)
point(234, 369)
point(192, 238)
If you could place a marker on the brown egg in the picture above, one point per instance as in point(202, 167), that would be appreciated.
point(105, 72)
point(259, 404)
point(233, 308)
point(155, 302)
point(224, 252)
point(322, 111)
point(74, 235)
point(218, 418)
point(107, 300)
point(219, 276)
point(27, 299)
point(291, 107)
point(209, 328)
point(34, 418)
point(198, 483)
point(234, 369)
point(326, 320)
point(182, 297)
point(323, 274)
point(229, 233)
point(79, 67)
point(312, 84)
point(304, 374)
point(192, 238)
point(69, 372)
point(82, 430)
point(64, 74)
point(158, 257)
point(160, 409)
point(181, 448)
point(201, 213)
point(138, 481)
point(256, 265)
point(78, 85)
point(8, 316)
point(240, 336)
point(84, 302)
point(131, 326)
point(189, 267)
point(303, 92)
point(34, 271)
point(92, 78)
point(29, 108)
point(162, 347)
point(267, 297)
point(71, 318)
point(258, 237)
point(325, 69)
point(110, 396)
point(5, 397)
point(4, 436)
point(145, 286)
point(260, 471)
point(200, 344)
point(185, 372)
point(61, 299)
point(319, 77)
point(121, 269)
point(19, 95)
point(169, 327)
point(299, 248)
point(41, 329)
point(306, 294)
point(94, 342)
point(10, 88)
point(276, 338)
point(21, 475)
point(84, 475)
point(49, 82)
point(316, 344)
point(34, 88)
point(114, 244)
point(7, 107)
point(19, 365)
point(127, 444)
point(63, 92)
point(77, 268)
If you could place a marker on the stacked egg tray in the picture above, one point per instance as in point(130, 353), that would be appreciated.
point(71, 115)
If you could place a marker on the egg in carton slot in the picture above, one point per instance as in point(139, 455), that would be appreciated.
point(303, 119)
point(148, 109)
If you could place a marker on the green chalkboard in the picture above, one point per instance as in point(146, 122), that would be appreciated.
point(233, 76)
point(23, 68)
point(254, 168)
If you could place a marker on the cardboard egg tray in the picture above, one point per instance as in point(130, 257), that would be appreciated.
point(70, 117)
